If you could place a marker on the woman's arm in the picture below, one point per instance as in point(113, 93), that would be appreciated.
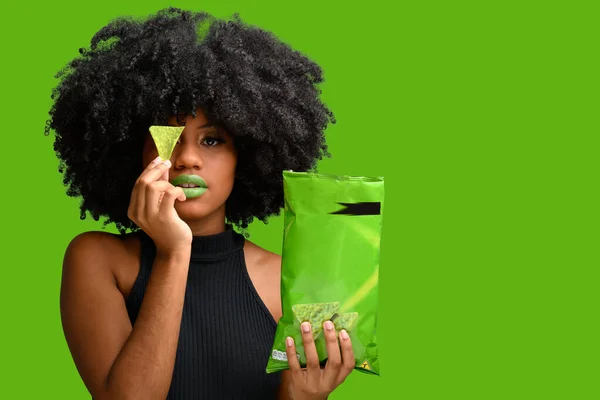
point(114, 359)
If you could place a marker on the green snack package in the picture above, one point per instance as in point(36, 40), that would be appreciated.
point(344, 321)
point(330, 264)
point(315, 314)
point(165, 138)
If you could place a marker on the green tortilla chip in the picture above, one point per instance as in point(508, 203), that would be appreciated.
point(316, 314)
point(344, 321)
point(165, 138)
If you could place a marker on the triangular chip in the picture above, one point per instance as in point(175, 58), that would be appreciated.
point(165, 138)
point(316, 314)
point(344, 321)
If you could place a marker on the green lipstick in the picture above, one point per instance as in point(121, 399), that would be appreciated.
point(193, 186)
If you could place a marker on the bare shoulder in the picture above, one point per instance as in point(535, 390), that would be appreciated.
point(259, 256)
point(93, 311)
point(264, 269)
point(92, 245)
point(101, 244)
point(101, 253)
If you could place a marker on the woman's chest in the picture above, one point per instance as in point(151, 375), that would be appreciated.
point(240, 285)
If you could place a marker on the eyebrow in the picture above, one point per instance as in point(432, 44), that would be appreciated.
point(207, 125)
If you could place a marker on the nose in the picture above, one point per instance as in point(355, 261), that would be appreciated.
point(186, 156)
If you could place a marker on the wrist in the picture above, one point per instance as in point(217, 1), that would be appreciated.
point(175, 257)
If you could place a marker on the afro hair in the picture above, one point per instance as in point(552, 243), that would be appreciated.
point(138, 73)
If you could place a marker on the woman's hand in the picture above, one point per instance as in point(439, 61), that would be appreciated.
point(314, 382)
point(152, 208)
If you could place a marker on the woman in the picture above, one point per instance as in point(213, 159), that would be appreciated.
point(179, 305)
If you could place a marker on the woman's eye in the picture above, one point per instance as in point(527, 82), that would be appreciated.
point(211, 141)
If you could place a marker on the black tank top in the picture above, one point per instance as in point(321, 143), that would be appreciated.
point(226, 330)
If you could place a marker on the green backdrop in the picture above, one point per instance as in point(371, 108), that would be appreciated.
point(483, 118)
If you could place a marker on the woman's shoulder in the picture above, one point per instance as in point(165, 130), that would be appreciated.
point(103, 245)
point(95, 252)
point(264, 270)
point(260, 256)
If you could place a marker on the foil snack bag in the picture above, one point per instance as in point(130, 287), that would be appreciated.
point(330, 264)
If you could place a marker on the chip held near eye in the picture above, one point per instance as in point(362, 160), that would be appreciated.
point(330, 265)
point(165, 138)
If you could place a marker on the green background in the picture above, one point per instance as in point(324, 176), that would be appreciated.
point(483, 118)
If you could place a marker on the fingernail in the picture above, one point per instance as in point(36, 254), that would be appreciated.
point(167, 163)
point(329, 325)
point(157, 160)
point(344, 334)
point(289, 342)
point(305, 327)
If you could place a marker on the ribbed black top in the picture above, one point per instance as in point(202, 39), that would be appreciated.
point(226, 330)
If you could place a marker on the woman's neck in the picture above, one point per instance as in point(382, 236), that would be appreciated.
point(209, 225)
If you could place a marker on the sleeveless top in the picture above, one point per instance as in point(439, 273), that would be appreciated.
point(226, 330)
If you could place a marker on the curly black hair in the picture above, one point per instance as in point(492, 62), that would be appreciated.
point(138, 73)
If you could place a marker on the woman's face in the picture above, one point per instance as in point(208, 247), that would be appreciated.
point(203, 156)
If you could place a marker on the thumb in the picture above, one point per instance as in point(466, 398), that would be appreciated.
point(165, 176)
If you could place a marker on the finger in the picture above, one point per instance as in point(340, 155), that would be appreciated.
point(155, 192)
point(334, 357)
point(155, 173)
point(134, 198)
point(348, 360)
point(312, 358)
point(146, 179)
point(134, 204)
point(290, 350)
point(165, 176)
point(168, 200)
point(150, 166)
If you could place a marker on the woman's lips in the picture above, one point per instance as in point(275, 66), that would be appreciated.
point(193, 185)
